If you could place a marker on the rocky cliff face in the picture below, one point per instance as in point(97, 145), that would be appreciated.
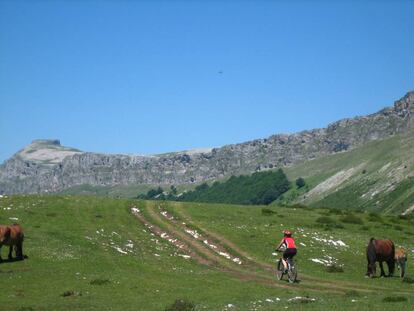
point(46, 166)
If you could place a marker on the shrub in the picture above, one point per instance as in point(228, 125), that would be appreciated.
point(365, 228)
point(352, 219)
point(374, 217)
point(408, 280)
point(405, 217)
point(330, 227)
point(398, 227)
point(181, 305)
point(298, 205)
point(352, 293)
point(267, 212)
point(394, 299)
point(71, 293)
point(99, 282)
point(335, 211)
point(300, 182)
point(325, 220)
point(334, 269)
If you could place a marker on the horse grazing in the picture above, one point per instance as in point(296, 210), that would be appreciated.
point(12, 236)
point(380, 250)
point(401, 260)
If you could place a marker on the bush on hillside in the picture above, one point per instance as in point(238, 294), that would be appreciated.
point(268, 212)
point(325, 220)
point(181, 305)
point(352, 219)
point(298, 205)
point(375, 217)
point(300, 182)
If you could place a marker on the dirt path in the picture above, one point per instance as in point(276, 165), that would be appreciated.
point(180, 211)
point(263, 277)
point(197, 252)
point(213, 250)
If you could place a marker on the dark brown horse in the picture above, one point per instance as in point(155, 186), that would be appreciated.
point(12, 236)
point(380, 250)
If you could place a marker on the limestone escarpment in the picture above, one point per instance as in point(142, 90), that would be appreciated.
point(46, 166)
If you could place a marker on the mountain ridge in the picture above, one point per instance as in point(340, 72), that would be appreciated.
point(62, 167)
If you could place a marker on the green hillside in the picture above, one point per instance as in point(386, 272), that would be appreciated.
point(375, 177)
point(89, 253)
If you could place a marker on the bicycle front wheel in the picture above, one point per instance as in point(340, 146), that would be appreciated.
point(279, 270)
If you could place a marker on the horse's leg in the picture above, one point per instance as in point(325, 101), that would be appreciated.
point(382, 269)
point(402, 272)
point(10, 252)
point(19, 250)
point(391, 266)
point(369, 271)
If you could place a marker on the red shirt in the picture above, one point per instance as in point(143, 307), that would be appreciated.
point(289, 242)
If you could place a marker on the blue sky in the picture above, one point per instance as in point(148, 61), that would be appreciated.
point(145, 77)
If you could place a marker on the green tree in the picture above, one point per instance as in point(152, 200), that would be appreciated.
point(300, 182)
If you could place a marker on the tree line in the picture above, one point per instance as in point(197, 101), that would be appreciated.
point(260, 188)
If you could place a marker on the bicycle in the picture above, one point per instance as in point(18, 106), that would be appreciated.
point(292, 273)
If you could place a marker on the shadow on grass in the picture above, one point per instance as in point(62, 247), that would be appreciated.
point(8, 260)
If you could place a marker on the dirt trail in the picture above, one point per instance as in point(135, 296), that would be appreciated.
point(270, 268)
point(198, 252)
point(251, 273)
point(207, 248)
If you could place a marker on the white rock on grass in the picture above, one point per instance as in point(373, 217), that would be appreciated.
point(193, 233)
point(135, 210)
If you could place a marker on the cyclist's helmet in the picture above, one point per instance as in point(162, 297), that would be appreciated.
point(287, 233)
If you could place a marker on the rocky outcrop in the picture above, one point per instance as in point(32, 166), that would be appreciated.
point(46, 166)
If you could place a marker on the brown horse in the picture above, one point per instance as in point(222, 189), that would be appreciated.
point(380, 250)
point(401, 260)
point(12, 236)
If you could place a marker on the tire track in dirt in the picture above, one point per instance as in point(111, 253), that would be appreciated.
point(212, 260)
point(343, 285)
point(244, 274)
point(170, 238)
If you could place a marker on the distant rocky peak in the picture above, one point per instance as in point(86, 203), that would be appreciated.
point(55, 142)
point(46, 151)
point(405, 104)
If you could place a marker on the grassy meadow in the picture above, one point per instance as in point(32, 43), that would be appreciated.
point(93, 253)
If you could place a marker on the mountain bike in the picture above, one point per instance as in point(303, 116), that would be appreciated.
point(291, 271)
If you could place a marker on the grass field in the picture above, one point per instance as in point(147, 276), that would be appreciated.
point(89, 253)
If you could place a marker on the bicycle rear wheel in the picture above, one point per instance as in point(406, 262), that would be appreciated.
point(292, 273)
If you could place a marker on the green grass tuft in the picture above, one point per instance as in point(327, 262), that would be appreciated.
point(181, 305)
point(99, 282)
point(394, 299)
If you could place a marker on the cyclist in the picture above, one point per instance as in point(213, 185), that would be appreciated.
point(290, 250)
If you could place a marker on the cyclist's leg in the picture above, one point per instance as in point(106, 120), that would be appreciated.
point(284, 259)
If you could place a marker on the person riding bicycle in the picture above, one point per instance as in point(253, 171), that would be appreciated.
point(290, 247)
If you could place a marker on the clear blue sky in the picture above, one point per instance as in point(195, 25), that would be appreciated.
point(148, 77)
